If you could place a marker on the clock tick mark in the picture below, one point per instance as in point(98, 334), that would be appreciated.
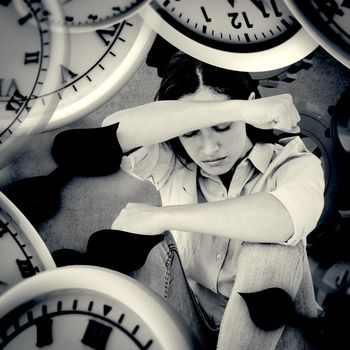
point(30, 316)
point(59, 305)
point(88, 78)
point(112, 53)
point(134, 331)
point(106, 310)
point(75, 304)
point(74, 87)
point(121, 318)
point(100, 65)
point(91, 305)
point(149, 343)
point(44, 309)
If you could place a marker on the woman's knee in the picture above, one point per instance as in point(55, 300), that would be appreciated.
point(262, 266)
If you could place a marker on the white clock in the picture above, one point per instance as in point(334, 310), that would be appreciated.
point(85, 307)
point(328, 22)
point(30, 58)
point(246, 35)
point(100, 63)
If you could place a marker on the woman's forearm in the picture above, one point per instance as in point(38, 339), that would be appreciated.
point(162, 120)
point(257, 217)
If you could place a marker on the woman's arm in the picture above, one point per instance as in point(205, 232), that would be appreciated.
point(162, 120)
point(258, 217)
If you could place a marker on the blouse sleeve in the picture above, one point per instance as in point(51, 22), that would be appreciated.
point(300, 187)
point(154, 163)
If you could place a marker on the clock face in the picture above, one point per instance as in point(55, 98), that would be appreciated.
point(234, 34)
point(22, 252)
point(100, 64)
point(328, 22)
point(85, 15)
point(85, 307)
point(29, 58)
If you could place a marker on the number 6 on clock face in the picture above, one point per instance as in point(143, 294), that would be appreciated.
point(248, 35)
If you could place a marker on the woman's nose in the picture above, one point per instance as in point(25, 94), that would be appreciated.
point(209, 145)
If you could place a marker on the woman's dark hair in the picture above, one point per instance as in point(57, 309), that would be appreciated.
point(185, 74)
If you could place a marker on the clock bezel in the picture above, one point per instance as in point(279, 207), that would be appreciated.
point(134, 8)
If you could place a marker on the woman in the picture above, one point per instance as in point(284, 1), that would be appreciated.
point(227, 189)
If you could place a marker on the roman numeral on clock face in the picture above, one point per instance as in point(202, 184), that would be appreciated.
point(96, 335)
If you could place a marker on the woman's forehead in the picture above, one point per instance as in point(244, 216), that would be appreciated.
point(204, 93)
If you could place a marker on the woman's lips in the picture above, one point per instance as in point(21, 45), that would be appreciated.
point(214, 161)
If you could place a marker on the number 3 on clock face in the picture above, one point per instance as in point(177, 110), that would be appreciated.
point(248, 35)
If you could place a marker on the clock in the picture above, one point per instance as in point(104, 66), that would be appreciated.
point(86, 15)
point(328, 22)
point(100, 64)
point(23, 254)
point(243, 35)
point(85, 307)
point(29, 68)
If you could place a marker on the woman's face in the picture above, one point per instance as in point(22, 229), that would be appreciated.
point(215, 149)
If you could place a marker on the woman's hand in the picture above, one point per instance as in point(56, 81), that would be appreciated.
point(140, 218)
point(274, 112)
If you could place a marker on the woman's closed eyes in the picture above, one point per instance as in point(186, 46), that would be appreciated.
point(218, 128)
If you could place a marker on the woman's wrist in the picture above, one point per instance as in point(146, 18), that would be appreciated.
point(237, 110)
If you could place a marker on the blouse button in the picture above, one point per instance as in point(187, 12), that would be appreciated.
point(218, 256)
